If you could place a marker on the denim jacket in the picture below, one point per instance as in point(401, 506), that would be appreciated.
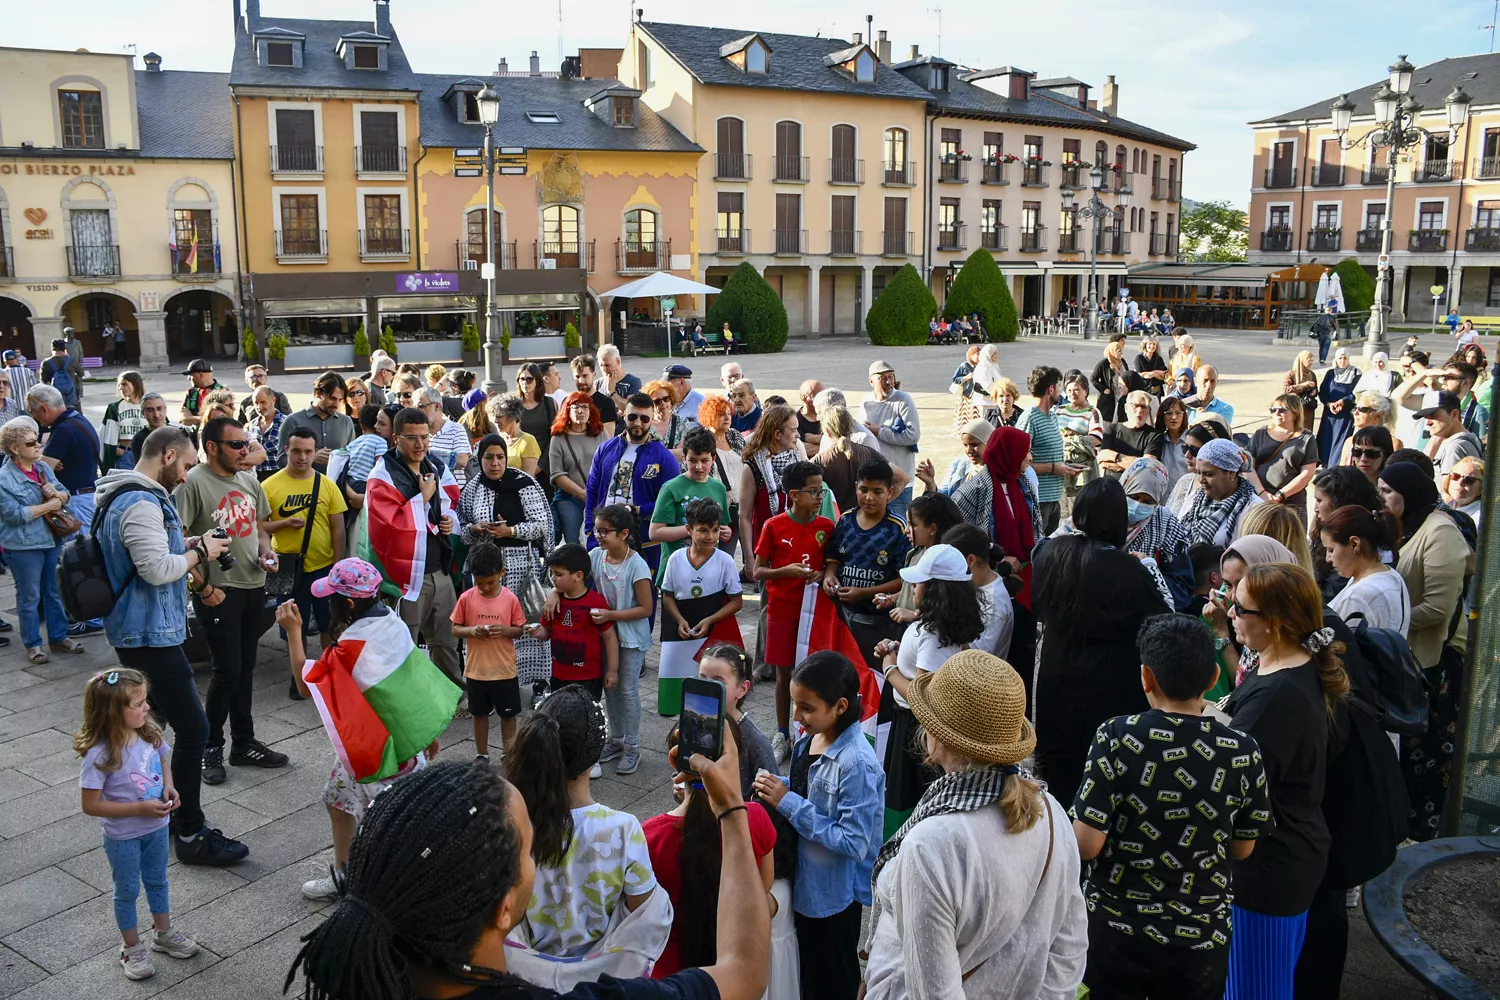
point(840, 823)
point(18, 529)
point(143, 615)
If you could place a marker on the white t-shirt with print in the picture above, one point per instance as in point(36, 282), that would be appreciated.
point(571, 904)
point(920, 653)
point(620, 489)
point(686, 582)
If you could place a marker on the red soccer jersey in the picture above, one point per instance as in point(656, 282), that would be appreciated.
point(785, 541)
point(577, 646)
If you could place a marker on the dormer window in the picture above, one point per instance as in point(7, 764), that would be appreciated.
point(366, 57)
point(278, 53)
point(937, 78)
point(864, 67)
point(749, 54)
point(757, 59)
point(468, 107)
point(623, 111)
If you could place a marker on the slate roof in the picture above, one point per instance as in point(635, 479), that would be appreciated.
point(1429, 85)
point(1059, 81)
point(796, 62)
point(185, 115)
point(321, 67)
point(580, 128)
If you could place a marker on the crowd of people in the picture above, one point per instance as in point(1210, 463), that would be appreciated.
point(1091, 706)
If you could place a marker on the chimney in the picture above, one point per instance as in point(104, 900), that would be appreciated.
point(504, 67)
point(383, 17)
point(915, 54)
point(1111, 98)
point(252, 14)
point(858, 38)
point(1093, 105)
point(153, 62)
point(536, 64)
point(883, 48)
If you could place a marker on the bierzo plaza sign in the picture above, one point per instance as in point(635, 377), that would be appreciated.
point(12, 168)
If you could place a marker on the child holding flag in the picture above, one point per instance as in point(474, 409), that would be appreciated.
point(585, 647)
point(384, 723)
point(700, 595)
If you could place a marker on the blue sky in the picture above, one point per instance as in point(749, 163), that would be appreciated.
point(1199, 69)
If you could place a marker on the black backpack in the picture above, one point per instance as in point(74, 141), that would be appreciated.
point(1399, 701)
point(83, 577)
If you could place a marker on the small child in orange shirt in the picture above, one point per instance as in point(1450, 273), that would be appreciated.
point(489, 617)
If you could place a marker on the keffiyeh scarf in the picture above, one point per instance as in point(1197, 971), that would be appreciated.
point(1210, 521)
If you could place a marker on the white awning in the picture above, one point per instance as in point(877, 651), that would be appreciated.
point(313, 307)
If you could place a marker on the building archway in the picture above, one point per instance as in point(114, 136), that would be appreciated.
point(15, 325)
point(87, 312)
point(200, 323)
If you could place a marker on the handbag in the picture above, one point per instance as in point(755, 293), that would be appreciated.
point(283, 580)
point(62, 523)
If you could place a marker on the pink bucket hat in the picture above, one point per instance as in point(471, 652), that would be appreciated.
point(350, 577)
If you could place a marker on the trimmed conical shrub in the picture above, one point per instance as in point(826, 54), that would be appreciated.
point(981, 288)
point(752, 309)
point(899, 316)
point(1359, 290)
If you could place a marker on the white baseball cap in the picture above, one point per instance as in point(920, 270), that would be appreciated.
point(938, 562)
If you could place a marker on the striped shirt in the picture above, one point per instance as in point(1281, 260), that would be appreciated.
point(1046, 446)
point(363, 451)
point(21, 379)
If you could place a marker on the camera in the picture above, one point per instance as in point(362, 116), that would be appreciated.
point(226, 559)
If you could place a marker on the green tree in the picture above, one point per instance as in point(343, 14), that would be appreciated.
point(981, 288)
point(1215, 231)
point(899, 316)
point(752, 309)
point(1359, 289)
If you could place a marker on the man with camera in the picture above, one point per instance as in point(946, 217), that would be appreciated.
point(141, 539)
point(218, 496)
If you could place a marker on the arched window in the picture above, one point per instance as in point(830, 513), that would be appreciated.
point(730, 161)
point(1101, 153)
point(844, 167)
point(789, 151)
point(1119, 163)
point(896, 170)
point(560, 235)
point(641, 246)
point(474, 249)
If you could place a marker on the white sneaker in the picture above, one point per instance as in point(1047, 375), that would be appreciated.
point(137, 961)
point(320, 890)
point(781, 747)
point(596, 771)
point(174, 943)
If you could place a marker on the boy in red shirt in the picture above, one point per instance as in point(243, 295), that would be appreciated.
point(788, 554)
point(585, 649)
point(489, 617)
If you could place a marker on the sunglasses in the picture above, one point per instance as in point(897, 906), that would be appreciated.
point(525, 380)
point(239, 445)
point(358, 393)
point(1191, 450)
point(1372, 454)
point(661, 400)
point(1466, 480)
point(1365, 409)
point(1240, 611)
point(1277, 411)
point(638, 418)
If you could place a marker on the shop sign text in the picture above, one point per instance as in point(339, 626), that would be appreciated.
point(68, 169)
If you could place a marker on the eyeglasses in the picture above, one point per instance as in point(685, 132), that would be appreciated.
point(238, 445)
point(1368, 453)
point(661, 400)
point(30, 444)
point(820, 492)
point(638, 418)
point(1240, 611)
point(416, 438)
point(524, 380)
point(1466, 480)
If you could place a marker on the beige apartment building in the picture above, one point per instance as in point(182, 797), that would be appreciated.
point(1311, 199)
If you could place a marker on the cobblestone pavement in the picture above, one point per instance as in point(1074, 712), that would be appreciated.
point(57, 935)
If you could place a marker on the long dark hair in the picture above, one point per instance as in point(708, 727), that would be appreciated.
point(345, 611)
point(1099, 512)
point(699, 866)
point(1344, 485)
point(831, 676)
point(950, 610)
point(938, 510)
point(553, 745)
point(536, 371)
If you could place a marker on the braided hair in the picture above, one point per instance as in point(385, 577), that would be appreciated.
point(430, 864)
point(552, 746)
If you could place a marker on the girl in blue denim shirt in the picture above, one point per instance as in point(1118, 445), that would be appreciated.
point(835, 802)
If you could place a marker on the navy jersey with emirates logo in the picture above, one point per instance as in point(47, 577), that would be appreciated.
point(1170, 791)
point(868, 557)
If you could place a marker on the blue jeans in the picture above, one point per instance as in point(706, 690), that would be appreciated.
point(81, 506)
point(903, 500)
point(36, 594)
point(1324, 342)
point(622, 703)
point(567, 511)
point(136, 862)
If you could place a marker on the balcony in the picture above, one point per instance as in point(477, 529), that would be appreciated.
point(841, 171)
point(895, 244)
point(1116, 244)
point(1487, 167)
point(1159, 187)
point(791, 169)
point(731, 166)
point(844, 243)
point(1482, 239)
point(7, 262)
point(1034, 175)
point(94, 261)
point(732, 241)
point(385, 244)
point(1277, 239)
point(1075, 175)
point(1281, 177)
point(565, 254)
point(1328, 175)
point(302, 245)
point(641, 257)
point(1034, 240)
point(296, 159)
point(994, 173)
point(1068, 242)
point(1367, 240)
point(1375, 173)
point(1427, 240)
point(1325, 238)
point(187, 265)
point(953, 171)
point(951, 237)
point(898, 173)
point(1158, 244)
point(992, 239)
point(380, 159)
point(1173, 245)
point(1436, 170)
point(789, 242)
point(471, 255)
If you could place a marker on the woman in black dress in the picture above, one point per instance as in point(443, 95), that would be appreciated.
point(1114, 380)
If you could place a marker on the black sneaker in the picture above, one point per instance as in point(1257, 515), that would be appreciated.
point(254, 753)
point(765, 672)
point(78, 629)
point(210, 847)
point(292, 692)
point(5, 626)
point(213, 766)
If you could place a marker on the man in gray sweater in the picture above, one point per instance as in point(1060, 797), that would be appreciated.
point(890, 416)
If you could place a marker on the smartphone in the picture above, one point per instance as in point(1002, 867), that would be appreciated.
point(701, 726)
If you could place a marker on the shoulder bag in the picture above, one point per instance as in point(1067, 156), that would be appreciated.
point(282, 582)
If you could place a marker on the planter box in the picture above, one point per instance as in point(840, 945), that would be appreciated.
point(537, 348)
point(573, 352)
point(361, 362)
point(471, 359)
point(336, 357)
point(428, 351)
point(276, 366)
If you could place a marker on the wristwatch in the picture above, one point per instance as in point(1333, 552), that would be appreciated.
point(1219, 644)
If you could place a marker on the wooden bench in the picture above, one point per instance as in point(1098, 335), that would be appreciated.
point(1483, 324)
point(713, 343)
point(35, 364)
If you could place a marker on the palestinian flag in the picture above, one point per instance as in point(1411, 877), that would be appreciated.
point(392, 527)
point(679, 656)
point(381, 699)
point(823, 627)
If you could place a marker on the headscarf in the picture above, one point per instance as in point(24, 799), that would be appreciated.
point(1210, 521)
point(1176, 393)
point(1377, 379)
point(1159, 533)
point(506, 491)
point(1146, 475)
point(1004, 455)
point(979, 429)
point(1417, 490)
point(987, 371)
point(1224, 454)
point(1349, 375)
point(1256, 550)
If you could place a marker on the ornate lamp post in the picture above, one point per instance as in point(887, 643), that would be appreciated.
point(1396, 129)
point(488, 100)
point(1096, 210)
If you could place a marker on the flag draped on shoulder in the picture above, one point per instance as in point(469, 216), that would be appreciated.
point(679, 656)
point(822, 627)
point(394, 524)
point(381, 699)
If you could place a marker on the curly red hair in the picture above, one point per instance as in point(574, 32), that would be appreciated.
point(713, 409)
point(595, 424)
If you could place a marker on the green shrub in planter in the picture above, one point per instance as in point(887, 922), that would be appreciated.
point(1359, 290)
point(752, 309)
point(981, 288)
point(361, 343)
point(900, 314)
point(248, 346)
point(571, 340)
point(388, 340)
point(276, 345)
point(469, 336)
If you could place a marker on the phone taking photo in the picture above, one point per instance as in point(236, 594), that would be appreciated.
point(700, 729)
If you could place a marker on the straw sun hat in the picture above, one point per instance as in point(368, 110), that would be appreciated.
point(975, 704)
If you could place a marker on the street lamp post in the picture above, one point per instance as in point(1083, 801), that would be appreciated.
point(488, 100)
point(1396, 128)
point(1096, 210)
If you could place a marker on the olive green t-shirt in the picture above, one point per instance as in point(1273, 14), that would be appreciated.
point(671, 508)
point(236, 503)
